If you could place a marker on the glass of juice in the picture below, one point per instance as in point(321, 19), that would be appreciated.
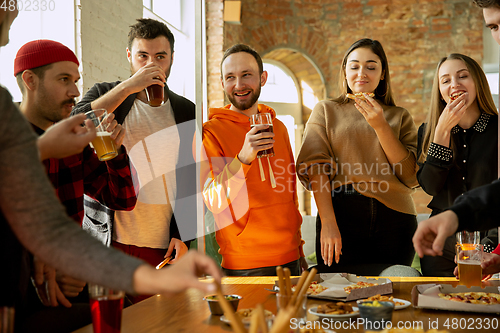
point(106, 306)
point(469, 258)
point(263, 119)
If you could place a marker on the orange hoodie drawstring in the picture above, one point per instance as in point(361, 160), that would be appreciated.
point(262, 174)
point(271, 174)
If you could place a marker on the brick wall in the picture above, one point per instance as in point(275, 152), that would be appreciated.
point(215, 51)
point(415, 35)
point(104, 29)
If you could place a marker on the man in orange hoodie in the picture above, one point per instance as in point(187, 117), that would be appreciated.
point(257, 224)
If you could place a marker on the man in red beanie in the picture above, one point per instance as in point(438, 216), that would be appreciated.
point(47, 72)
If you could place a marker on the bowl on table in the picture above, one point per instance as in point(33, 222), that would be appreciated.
point(214, 305)
point(375, 314)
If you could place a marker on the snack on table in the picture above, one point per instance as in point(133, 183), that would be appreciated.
point(314, 288)
point(381, 298)
point(473, 297)
point(359, 285)
point(335, 308)
point(227, 297)
point(359, 95)
point(246, 314)
point(375, 304)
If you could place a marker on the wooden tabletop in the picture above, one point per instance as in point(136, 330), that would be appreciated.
point(187, 312)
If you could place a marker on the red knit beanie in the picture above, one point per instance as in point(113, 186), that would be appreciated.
point(40, 53)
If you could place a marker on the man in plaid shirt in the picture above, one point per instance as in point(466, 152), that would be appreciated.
point(47, 72)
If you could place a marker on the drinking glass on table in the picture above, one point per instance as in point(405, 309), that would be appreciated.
point(106, 306)
point(469, 258)
point(103, 145)
point(263, 119)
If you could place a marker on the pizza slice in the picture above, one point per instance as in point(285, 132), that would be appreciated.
point(359, 95)
point(314, 288)
point(359, 285)
point(456, 95)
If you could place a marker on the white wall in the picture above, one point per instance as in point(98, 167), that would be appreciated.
point(103, 37)
point(57, 24)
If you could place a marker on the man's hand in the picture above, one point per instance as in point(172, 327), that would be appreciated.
point(44, 281)
point(66, 138)
point(117, 131)
point(180, 249)
point(432, 233)
point(69, 286)
point(490, 265)
point(144, 77)
point(255, 142)
point(179, 277)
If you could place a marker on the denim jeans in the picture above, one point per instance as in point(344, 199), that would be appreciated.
point(373, 236)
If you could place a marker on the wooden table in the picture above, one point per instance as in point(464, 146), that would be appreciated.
point(187, 312)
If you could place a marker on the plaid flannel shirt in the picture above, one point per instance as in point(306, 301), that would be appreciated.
point(110, 182)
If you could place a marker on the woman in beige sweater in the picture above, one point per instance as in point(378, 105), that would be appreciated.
point(359, 160)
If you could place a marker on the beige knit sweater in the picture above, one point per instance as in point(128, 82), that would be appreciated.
point(340, 143)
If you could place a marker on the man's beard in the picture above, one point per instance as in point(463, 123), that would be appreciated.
point(51, 110)
point(245, 105)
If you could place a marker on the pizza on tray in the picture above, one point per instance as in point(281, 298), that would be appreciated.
point(473, 297)
point(359, 285)
point(314, 288)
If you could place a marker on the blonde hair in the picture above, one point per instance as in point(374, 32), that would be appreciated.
point(383, 91)
point(437, 105)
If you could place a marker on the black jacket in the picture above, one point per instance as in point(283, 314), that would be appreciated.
point(98, 218)
point(479, 209)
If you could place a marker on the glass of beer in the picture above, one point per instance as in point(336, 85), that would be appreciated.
point(103, 145)
point(154, 94)
point(106, 306)
point(468, 237)
point(469, 257)
point(263, 119)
